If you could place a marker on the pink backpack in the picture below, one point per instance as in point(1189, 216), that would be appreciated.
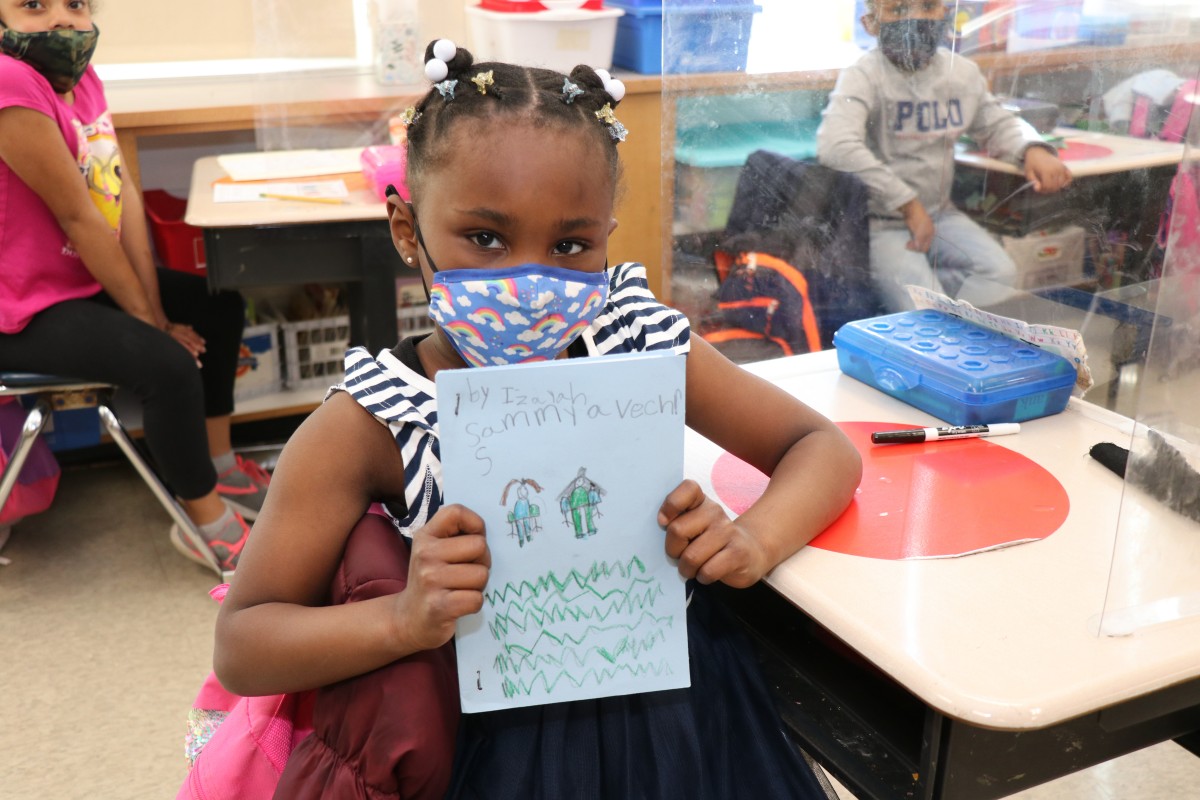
point(37, 481)
point(246, 741)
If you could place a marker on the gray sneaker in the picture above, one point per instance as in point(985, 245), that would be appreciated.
point(244, 488)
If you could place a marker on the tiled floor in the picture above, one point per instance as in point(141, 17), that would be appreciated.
point(106, 633)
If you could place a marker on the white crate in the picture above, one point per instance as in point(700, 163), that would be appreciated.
point(314, 351)
point(1047, 258)
point(258, 370)
point(558, 39)
point(413, 320)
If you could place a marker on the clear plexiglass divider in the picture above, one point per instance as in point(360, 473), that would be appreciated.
point(783, 130)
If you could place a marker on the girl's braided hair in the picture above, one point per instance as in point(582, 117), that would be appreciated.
point(529, 93)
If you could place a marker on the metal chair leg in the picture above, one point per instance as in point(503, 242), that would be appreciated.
point(189, 529)
point(35, 420)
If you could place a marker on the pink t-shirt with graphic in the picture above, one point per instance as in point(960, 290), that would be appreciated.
point(39, 267)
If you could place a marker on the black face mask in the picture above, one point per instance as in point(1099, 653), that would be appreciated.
point(61, 56)
point(910, 44)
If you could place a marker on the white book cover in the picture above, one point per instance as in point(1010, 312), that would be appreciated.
point(568, 463)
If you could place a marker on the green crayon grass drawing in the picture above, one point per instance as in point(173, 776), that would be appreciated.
point(568, 462)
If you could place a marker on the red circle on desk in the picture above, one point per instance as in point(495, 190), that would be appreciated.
point(1082, 151)
point(924, 500)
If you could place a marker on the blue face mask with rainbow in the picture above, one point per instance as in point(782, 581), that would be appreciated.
point(530, 312)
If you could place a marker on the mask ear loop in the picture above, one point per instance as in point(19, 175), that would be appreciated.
point(428, 258)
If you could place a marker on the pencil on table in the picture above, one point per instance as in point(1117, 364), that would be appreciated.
point(337, 201)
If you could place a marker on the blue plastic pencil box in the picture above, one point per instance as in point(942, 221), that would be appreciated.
point(956, 370)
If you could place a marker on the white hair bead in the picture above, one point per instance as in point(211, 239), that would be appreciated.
point(604, 75)
point(436, 70)
point(615, 89)
point(445, 50)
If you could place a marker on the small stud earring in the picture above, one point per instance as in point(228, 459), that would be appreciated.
point(411, 260)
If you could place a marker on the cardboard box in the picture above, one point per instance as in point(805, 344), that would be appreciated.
point(1047, 258)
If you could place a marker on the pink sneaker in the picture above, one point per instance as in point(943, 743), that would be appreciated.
point(244, 487)
point(226, 552)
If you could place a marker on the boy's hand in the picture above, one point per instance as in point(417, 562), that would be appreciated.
point(447, 572)
point(1045, 171)
point(710, 546)
point(920, 225)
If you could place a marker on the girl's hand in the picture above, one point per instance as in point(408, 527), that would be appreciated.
point(186, 336)
point(447, 572)
point(708, 544)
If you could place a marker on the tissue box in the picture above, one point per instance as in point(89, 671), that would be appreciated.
point(955, 370)
point(383, 164)
point(1045, 258)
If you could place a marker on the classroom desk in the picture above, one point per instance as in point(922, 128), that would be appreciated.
point(978, 676)
point(1121, 184)
point(283, 242)
point(1120, 154)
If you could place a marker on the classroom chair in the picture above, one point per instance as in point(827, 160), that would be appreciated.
point(794, 260)
point(43, 388)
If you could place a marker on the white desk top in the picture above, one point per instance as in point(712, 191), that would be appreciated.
point(1128, 153)
point(362, 204)
point(1004, 639)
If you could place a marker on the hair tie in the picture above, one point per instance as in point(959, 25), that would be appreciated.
point(615, 128)
point(437, 69)
point(483, 80)
point(570, 91)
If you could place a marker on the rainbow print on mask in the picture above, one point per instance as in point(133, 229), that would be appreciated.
point(487, 317)
point(513, 315)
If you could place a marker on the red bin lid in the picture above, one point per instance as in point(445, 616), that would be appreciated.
point(520, 6)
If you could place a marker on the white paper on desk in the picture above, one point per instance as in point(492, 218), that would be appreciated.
point(568, 462)
point(290, 163)
point(1066, 342)
point(253, 192)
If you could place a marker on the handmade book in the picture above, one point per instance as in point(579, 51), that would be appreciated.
point(568, 463)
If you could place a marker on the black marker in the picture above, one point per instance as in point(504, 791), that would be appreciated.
point(940, 434)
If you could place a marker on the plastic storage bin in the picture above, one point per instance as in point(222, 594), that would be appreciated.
point(179, 246)
point(956, 370)
point(704, 38)
point(258, 371)
point(74, 420)
point(413, 320)
point(314, 351)
point(558, 39)
point(384, 164)
point(709, 161)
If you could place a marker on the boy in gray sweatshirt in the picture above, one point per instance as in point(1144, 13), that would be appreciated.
point(893, 120)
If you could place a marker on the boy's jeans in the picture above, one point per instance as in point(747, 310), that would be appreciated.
point(961, 250)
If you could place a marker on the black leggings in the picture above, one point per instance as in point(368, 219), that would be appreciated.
point(92, 339)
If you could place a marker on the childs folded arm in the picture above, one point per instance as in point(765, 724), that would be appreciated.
point(814, 471)
point(274, 634)
point(32, 145)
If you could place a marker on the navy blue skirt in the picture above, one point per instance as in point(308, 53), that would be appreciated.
point(720, 739)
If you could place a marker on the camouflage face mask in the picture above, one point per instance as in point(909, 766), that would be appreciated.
point(61, 56)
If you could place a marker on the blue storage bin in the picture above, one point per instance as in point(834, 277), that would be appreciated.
point(956, 370)
point(705, 37)
point(1103, 31)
